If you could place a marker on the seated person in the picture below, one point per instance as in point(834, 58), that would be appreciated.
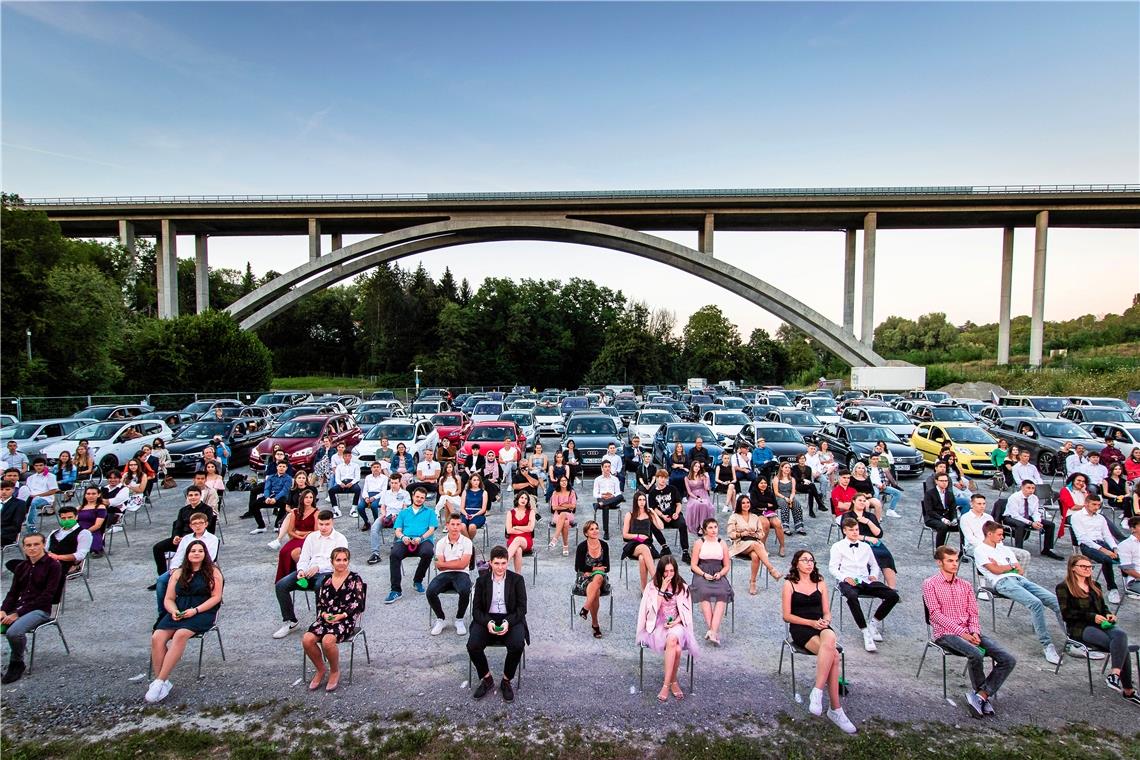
point(493, 474)
point(523, 478)
point(1097, 472)
point(414, 530)
point(274, 493)
point(1097, 541)
point(180, 528)
point(43, 487)
point(13, 512)
point(1072, 498)
point(28, 603)
point(374, 485)
point(1003, 573)
point(1088, 620)
point(665, 501)
point(1023, 513)
point(563, 505)
point(591, 568)
point(313, 568)
point(191, 603)
point(340, 602)
point(345, 479)
point(842, 495)
point(746, 532)
point(69, 545)
point(871, 530)
point(971, 524)
point(724, 480)
point(954, 625)
point(637, 531)
point(940, 510)
point(427, 471)
point(665, 622)
point(498, 618)
point(453, 554)
point(805, 610)
point(299, 523)
point(646, 471)
point(1023, 470)
point(198, 532)
point(520, 529)
point(402, 465)
point(476, 502)
point(1128, 552)
point(856, 573)
point(608, 496)
point(763, 499)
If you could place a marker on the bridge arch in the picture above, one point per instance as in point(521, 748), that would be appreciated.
point(278, 295)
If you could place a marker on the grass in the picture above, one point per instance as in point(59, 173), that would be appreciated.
point(749, 739)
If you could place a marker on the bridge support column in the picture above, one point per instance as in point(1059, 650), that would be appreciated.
point(867, 333)
point(1037, 324)
point(314, 239)
point(127, 236)
point(166, 258)
point(849, 283)
point(201, 274)
point(337, 241)
point(705, 235)
point(1005, 295)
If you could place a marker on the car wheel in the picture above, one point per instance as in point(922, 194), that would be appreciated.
point(108, 463)
point(1047, 463)
point(852, 460)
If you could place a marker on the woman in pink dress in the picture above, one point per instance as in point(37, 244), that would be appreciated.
point(698, 506)
point(665, 622)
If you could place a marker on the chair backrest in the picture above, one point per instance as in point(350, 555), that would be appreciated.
point(1069, 529)
point(926, 617)
point(1045, 493)
point(998, 511)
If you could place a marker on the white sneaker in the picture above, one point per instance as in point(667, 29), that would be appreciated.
point(116, 528)
point(164, 690)
point(815, 701)
point(1051, 655)
point(839, 718)
point(460, 628)
point(876, 628)
point(336, 512)
point(868, 641)
point(255, 531)
point(438, 627)
point(274, 544)
point(892, 513)
point(153, 691)
point(285, 630)
point(1114, 597)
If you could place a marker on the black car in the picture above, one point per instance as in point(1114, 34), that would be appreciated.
point(784, 441)
point(805, 423)
point(186, 448)
point(852, 442)
point(1043, 437)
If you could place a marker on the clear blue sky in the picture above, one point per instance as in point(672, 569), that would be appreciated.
point(174, 98)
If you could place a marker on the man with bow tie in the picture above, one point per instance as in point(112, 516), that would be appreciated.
point(857, 574)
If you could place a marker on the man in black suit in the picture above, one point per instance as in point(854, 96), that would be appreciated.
point(13, 512)
point(499, 620)
point(939, 509)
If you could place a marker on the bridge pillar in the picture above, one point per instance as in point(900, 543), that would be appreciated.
point(166, 258)
point(867, 333)
point(705, 235)
point(201, 274)
point(1037, 324)
point(314, 239)
point(1005, 294)
point(849, 283)
point(127, 236)
point(337, 241)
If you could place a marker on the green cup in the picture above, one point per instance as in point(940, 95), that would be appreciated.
point(302, 583)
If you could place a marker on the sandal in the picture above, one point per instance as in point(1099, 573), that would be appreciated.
point(565, 550)
point(752, 589)
point(553, 544)
point(583, 613)
point(597, 632)
point(663, 695)
point(677, 693)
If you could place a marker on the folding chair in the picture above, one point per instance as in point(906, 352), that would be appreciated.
point(201, 637)
point(449, 592)
point(52, 622)
point(932, 644)
point(82, 572)
point(794, 650)
point(732, 570)
point(574, 605)
point(690, 667)
point(985, 592)
point(837, 597)
point(518, 673)
point(358, 632)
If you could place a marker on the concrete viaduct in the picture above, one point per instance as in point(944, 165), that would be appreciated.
point(403, 225)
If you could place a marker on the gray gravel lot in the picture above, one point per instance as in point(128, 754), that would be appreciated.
point(569, 674)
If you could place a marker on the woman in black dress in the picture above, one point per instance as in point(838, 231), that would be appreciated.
point(591, 566)
point(805, 609)
point(340, 602)
point(806, 484)
point(637, 530)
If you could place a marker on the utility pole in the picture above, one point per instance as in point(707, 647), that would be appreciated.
point(28, 334)
point(417, 370)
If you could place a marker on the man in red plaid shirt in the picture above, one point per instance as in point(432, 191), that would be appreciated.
point(954, 626)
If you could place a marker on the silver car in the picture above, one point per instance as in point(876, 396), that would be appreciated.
point(32, 436)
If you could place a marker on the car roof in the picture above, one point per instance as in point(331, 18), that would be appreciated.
point(312, 417)
point(951, 424)
point(53, 420)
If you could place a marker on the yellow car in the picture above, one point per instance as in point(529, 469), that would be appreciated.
point(970, 443)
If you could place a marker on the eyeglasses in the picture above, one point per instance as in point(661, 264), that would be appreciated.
point(1083, 566)
point(808, 560)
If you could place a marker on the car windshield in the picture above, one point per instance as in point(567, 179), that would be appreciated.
point(1115, 403)
point(867, 434)
point(799, 418)
point(271, 398)
point(296, 411)
point(490, 433)
point(970, 435)
point(299, 429)
point(625, 405)
point(591, 426)
point(99, 431)
point(20, 432)
point(522, 419)
point(1019, 411)
point(937, 396)
point(779, 435)
point(779, 400)
point(888, 417)
point(198, 407)
point(1047, 404)
point(392, 432)
point(489, 407)
point(823, 406)
point(546, 410)
point(524, 403)
point(729, 418)
point(201, 430)
point(1061, 429)
point(679, 406)
point(950, 414)
point(689, 434)
point(733, 403)
point(372, 416)
point(425, 407)
point(95, 412)
point(654, 418)
point(1105, 415)
point(447, 419)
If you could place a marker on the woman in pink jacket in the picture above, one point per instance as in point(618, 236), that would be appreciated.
point(665, 622)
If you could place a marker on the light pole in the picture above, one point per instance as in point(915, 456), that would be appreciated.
point(417, 370)
point(28, 335)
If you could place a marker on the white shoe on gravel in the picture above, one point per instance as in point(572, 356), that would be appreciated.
point(1114, 597)
point(274, 544)
point(815, 702)
point(869, 641)
point(839, 718)
point(1051, 655)
point(336, 512)
point(255, 531)
point(876, 628)
point(285, 630)
point(438, 627)
point(164, 690)
point(153, 691)
point(460, 628)
point(892, 513)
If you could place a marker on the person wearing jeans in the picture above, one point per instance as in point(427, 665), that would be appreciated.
point(314, 567)
point(35, 581)
point(886, 486)
point(453, 555)
point(952, 611)
point(414, 530)
point(1097, 541)
point(998, 564)
point(43, 487)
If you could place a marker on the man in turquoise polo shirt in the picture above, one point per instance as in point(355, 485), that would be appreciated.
point(414, 528)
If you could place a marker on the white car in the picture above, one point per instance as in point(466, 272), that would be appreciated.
point(1127, 435)
point(548, 420)
point(822, 407)
point(525, 421)
point(417, 435)
point(111, 444)
point(428, 408)
point(523, 404)
point(34, 436)
point(646, 424)
point(487, 411)
point(726, 424)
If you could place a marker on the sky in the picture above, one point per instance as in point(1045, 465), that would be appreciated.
point(170, 98)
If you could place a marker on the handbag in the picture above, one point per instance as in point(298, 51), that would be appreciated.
point(168, 481)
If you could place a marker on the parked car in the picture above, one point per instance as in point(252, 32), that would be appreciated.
point(526, 422)
point(289, 398)
point(452, 426)
point(1079, 414)
point(8, 419)
point(113, 412)
point(992, 416)
point(548, 419)
point(417, 435)
point(805, 423)
point(384, 395)
point(487, 411)
point(425, 409)
point(899, 424)
point(971, 443)
point(973, 406)
point(936, 397)
point(627, 408)
point(491, 436)
point(1049, 406)
point(823, 407)
point(110, 443)
point(853, 442)
point(726, 424)
point(306, 410)
point(592, 434)
point(646, 424)
point(440, 393)
point(571, 403)
point(1117, 403)
point(1125, 434)
point(35, 435)
point(778, 399)
point(784, 441)
point(176, 421)
point(922, 412)
point(207, 405)
point(886, 397)
point(187, 446)
point(685, 433)
point(1043, 438)
point(301, 436)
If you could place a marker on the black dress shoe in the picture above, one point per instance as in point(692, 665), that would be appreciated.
point(152, 587)
point(507, 690)
point(374, 559)
point(1051, 555)
point(486, 685)
point(13, 673)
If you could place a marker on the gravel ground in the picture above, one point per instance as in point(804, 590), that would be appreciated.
point(569, 674)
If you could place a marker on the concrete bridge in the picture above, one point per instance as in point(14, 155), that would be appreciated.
point(403, 225)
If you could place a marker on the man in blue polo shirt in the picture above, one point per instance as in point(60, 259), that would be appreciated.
point(761, 455)
point(275, 493)
point(414, 528)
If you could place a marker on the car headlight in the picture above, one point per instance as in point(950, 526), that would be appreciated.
point(963, 450)
point(300, 453)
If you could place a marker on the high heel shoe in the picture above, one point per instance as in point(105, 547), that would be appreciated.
point(583, 613)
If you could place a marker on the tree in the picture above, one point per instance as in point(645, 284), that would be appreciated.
point(763, 360)
point(711, 344)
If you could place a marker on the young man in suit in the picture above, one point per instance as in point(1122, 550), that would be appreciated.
point(498, 617)
point(940, 510)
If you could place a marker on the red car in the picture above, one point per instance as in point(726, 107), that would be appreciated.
point(490, 436)
point(452, 425)
point(301, 436)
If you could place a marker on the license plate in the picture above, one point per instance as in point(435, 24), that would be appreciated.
point(591, 461)
point(906, 467)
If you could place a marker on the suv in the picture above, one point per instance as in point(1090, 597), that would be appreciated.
point(301, 436)
point(1049, 406)
point(111, 443)
point(34, 435)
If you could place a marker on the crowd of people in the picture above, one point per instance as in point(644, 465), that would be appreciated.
point(433, 512)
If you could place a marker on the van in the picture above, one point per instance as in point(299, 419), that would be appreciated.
point(618, 389)
point(696, 383)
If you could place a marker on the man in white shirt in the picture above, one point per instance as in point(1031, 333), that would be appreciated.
point(43, 487)
point(999, 566)
point(607, 495)
point(427, 472)
point(69, 545)
point(1096, 541)
point(1023, 470)
point(852, 564)
point(614, 458)
point(20, 490)
point(14, 458)
point(452, 558)
point(742, 467)
point(1023, 513)
point(886, 487)
point(374, 486)
point(314, 567)
point(345, 479)
point(1095, 471)
point(971, 524)
point(1129, 553)
point(1076, 461)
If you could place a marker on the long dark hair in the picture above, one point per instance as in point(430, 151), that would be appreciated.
point(794, 573)
point(678, 583)
point(207, 569)
point(634, 510)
